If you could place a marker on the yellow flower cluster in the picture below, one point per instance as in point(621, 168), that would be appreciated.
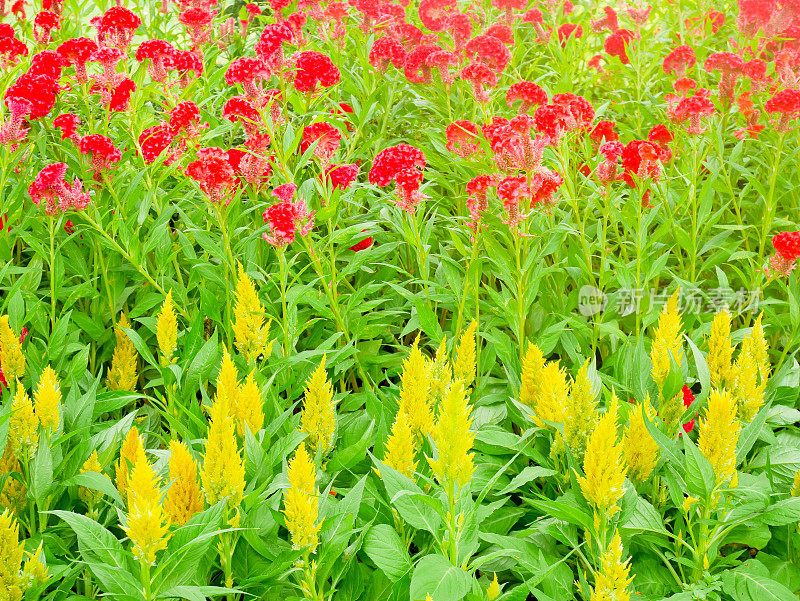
point(131, 454)
point(400, 447)
point(465, 367)
point(301, 501)
point(414, 399)
point(612, 580)
point(667, 341)
point(124, 363)
point(719, 433)
point(184, 497)
point(167, 331)
point(580, 415)
point(146, 525)
point(250, 331)
point(11, 553)
point(453, 438)
point(641, 452)
point(545, 387)
point(318, 417)
point(11, 358)
point(603, 465)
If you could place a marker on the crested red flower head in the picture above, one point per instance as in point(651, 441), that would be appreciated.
point(102, 150)
point(51, 187)
point(568, 30)
point(460, 28)
point(269, 47)
point(679, 60)
point(213, 173)
point(197, 22)
point(487, 50)
point(327, 138)
point(240, 108)
point(158, 52)
point(399, 164)
point(249, 72)
point(528, 92)
point(77, 51)
point(118, 25)
point(387, 50)
point(617, 44)
point(604, 130)
point(186, 117)
point(68, 124)
point(286, 218)
point(480, 76)
point(313, 69)
point(434, 13)
point(786, 104)
point(462, 138)
point(10, 50)
point(45, 22)
point(155, 140)
point(39, 90)
point(341, 176)
point(694, 108)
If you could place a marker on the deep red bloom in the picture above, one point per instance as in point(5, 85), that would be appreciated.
point(51, 187)
point(390, 161)
point(787, 244)
point(240, 108)
point(327, 138)
point(248, 71)
point(679, 60)
point(77, 52)
point(617, 44)
point(101, 148)
point(462, 138)
point(416, 67)
point(286, 218)
point(10, 49)
point(387, 50)
point(489, 51)
point(121, 97)
point(46, 63)
point(43, 24)
point(479, 75)
point(315, 68)
point(460, 28)
point(185, 116)
point(197, 22)
point(155, 140)
point(568, 30)
point(68, 124)
point(341, 176)
point(6, 31)
point(434, 13)
point(660, 134)
point(158, 51)
point(213, 173)
point(39, 90)
point(502, 32)
point(528, 92)
point(694, 108)
point(118, 25)
point(184, 61)
point(604, 130)
point(269, 47)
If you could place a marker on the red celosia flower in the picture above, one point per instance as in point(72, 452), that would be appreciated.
point(43, 24)
point(51, 187)
point(578, 112)
point(568, 30)
point(535, 17)
point(68, 124)
point(121, 97)
point(604, 130)
point(434, 13)
point(286, 218)
point(314, 68)
point(617, 44)
point(158, 51)
point(14, 130)
point(787, 245)
point(46, 63)
point(660, 134)
point(327, 138)
point(731, 66)
point(684, 85)
point(416, 67)
point(477, 199)
point(479, 75)
point(77, 52)
point(511, 191)
point(6, 31)
point(277, 7)
point(341, 176)
point(460, 28)
point(787, 104)
point(184, 61)
point(387, 50)
point(528, 92)
point(39, 90)
point(118, 26)
point(679, 60)
point(240, 108)
point(442, 60)
point(410, 36)
point(502, 32)
point(155, 140)
point(489, 51)
point(640, 159)
point(10, 49)
point(462, 138)
point(269, 47)
point(607, 169)
point(213, 173)
point(198, 24)
point(398, 164)
point(247, 71)
point(186, 117)
point(104, 153)
point(694, 108)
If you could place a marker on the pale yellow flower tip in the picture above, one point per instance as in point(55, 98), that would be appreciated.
point(167, 331)
point(11, 357)
point(318, 417)
point(493, 592)
point(301, 501)
point(47, 399)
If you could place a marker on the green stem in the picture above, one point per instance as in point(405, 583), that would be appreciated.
point(282, 261)
point(52, 224)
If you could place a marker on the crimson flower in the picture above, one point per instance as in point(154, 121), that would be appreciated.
point(51, 187)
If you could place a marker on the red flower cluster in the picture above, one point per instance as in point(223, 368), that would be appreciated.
point(51, 187)
point(399, 164)
point(103, 153)
point(314, 68)
point(327, 138)
point(286, 218)
point(214, 174)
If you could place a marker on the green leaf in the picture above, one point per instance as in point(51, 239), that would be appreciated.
point(745, 585)
point(42, 471)
point(401, 491)
point(384, 547)
point(700, 477)
point(750, 433)
point(96, 544)
point(645, 517)
point(434, 575)
point(528, 474)
point(786, 511)
point(95, 481)
point(427, 320)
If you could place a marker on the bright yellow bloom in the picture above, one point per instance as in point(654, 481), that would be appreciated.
point(124, 363)
point(553, 395)
point(11, 551)
point(667, 340)
point(612, 580)
point(493, 592)
point(453, 438)
point(301, 501)
point(227, 384)
point(465, 367)
point(440, 373)
point(318, 418)
point(184, 497)
point(167, 331)
point(34, 570)
point(795, 491)
point(249, 407)
point(532, 367)
point(223, 468)
point(603, 465)
point(720, 349)
point(11, 358)
point(400, 448)
point(23, 425)
point(88, 495)
point(47, 399)
point(131, 454)
point(581, 412)
point(719, 433)
point(147, 526)
point(414, 399)
point(249, 329)
point(13, 496)
point(750, 373)
point(641, 452)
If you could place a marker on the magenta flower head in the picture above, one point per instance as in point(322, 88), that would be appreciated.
point(287, 218)
point(51, 187)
